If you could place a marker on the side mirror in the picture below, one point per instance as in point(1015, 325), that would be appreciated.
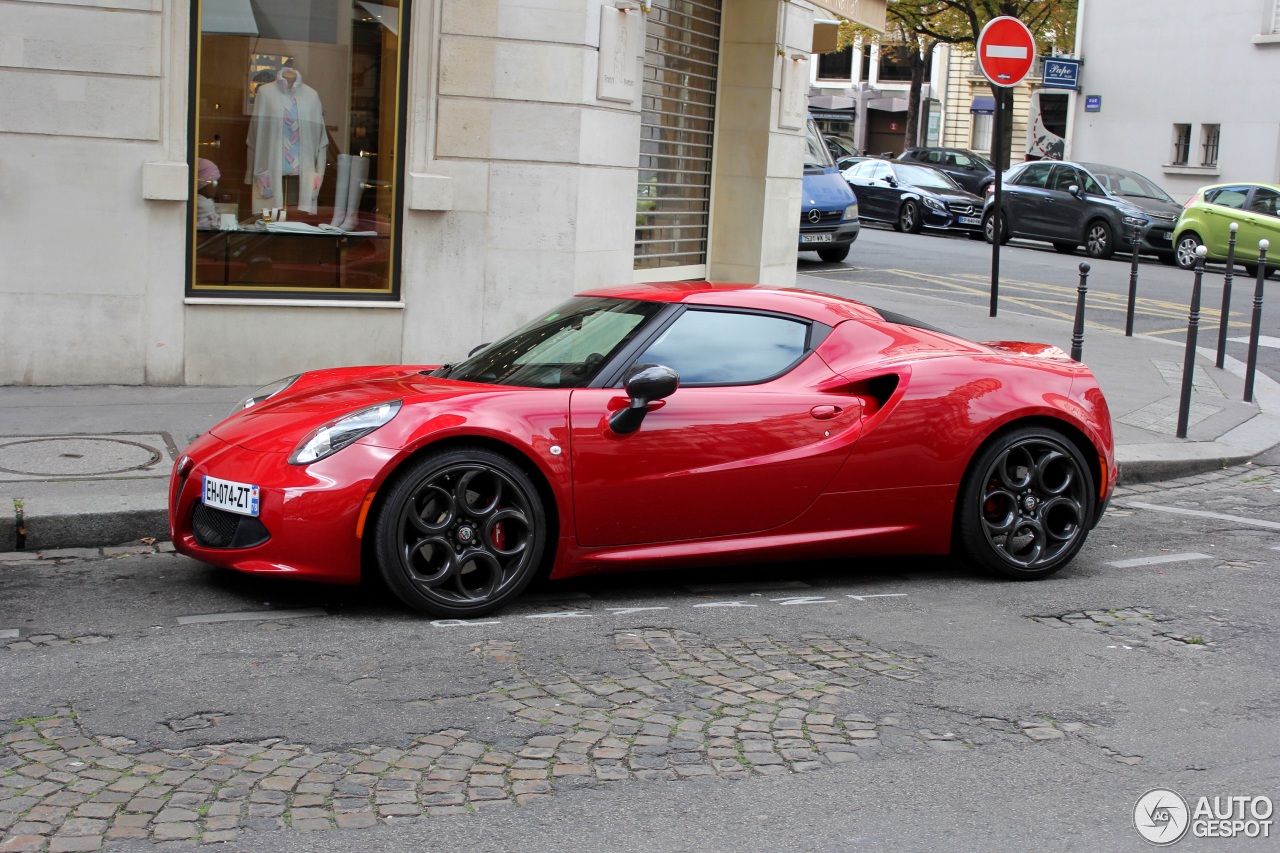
point(1074, 190)
point(891, 182)
point(644, 383)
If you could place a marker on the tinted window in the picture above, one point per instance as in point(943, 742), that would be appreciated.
point(1033, 176)
point(1228, 196)
point(724, 348)
point(1265, 201)
point(1063, 178)
point(922, 176)
point(879, 171)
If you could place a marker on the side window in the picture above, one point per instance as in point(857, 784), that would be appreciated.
point(958, 160)
point(728, 348)
point(1063, 178)
point(880, 172)
point(934, 157)
point(1265, 201)
point(1233, 197)
point(1033, 176)
point(1088, 184)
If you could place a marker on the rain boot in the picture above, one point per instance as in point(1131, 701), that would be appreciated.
point(340, 190)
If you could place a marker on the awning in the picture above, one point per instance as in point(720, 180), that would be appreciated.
point(228, 17)
point(869, 13)
point(889, 105)
point(983, 105)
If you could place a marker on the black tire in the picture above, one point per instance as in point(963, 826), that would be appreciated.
point(1099, 243)
point(1026, 504)
point(909, 218)
point(974, 235)
point(460, 533)
point(1065, 248)
point(1169, 259)
point(835, 254)
point(1184, 249)
point(989, 228)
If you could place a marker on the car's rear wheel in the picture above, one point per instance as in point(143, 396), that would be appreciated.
point(460, 533)
point(1025, 505)
point(1098, 242)
point(1065, 248)
point(1185, 250)
point(909, 218)
point(989, 229)
point(1169, 259)
point(834, 255)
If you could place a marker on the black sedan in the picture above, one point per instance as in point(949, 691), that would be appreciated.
point(1069, 204)
point(967, 169)
point(913, 197)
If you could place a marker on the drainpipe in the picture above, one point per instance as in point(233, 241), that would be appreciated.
point(1069, 148)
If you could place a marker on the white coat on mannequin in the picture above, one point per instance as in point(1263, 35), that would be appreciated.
point(267, 142)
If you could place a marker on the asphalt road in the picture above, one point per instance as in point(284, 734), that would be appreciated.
point(1036, 279)
point(883, 705)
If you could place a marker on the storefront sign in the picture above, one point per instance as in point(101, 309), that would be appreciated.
point(621, 45)
point(1093, 103)
point(869, 13)
point(1061, 73)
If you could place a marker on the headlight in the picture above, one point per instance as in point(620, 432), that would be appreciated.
point(933, 203)
point(1135, 220)
point(338, 433)
point(264, 392)
point(851, 212)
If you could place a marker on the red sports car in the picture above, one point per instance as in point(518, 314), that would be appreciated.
point(672, 425)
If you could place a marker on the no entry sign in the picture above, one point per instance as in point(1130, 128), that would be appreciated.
point(1006, 51)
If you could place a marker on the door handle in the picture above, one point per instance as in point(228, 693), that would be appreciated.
point(825, 413)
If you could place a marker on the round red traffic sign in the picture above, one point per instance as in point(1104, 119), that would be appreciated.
point(1006, 51)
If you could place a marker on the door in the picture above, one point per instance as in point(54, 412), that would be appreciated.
point(1026, 197)
point(1261, 221)
point(1225, 205)
point(750, 439)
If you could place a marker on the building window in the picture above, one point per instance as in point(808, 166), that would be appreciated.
point(297, 140)
point(981, 139)
point(836, 66)
point(673, 200)
point(895, 64)
point(1209, 144)
point(1181, 144)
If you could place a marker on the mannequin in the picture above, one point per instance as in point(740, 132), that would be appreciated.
point(352, 172)
point(286, 139)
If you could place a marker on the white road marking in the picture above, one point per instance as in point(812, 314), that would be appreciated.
point(804, 599)
point(1255, 522)
point(1263, 341)
point(563, 614)
point(745, 586)
point(463, 623)
point(1152, 561)
point(625, 611)
point(725, 604)
point(9, 633)
point(878, 595)
point(252, 616)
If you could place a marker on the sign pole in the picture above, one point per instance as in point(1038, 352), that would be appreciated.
point(997, 146)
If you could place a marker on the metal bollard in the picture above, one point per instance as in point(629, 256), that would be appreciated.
point(1133, 283)
point(1226, 296)
point(1189, 361)
point(1256, 327)
point(1077, 333)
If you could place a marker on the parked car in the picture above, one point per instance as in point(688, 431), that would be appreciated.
point(913, 197)
point(828, 208)
point(1069, 204)
point(846, 163)
point(1206, 220)
point(840, 148)
point(967, 169)
point(673, 424)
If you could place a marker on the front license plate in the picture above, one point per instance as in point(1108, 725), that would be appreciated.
point(240, 498)
point(815, 238)
point(970, 220)
point(1168, 235)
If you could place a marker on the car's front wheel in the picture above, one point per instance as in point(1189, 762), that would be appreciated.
point(1025, 505)
point(1184, 253)
point(909, 218)
point(835, 254)
point(989, 229)
point(460, 533)
point(1065, 248)
point(1098, 242)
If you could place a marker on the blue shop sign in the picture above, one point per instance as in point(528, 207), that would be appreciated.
point(1061, 73)
point(1093, 103)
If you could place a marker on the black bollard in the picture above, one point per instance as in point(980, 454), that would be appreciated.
point(1133, 283)
point(1189, 361)
point(1077, 334)
point(1256, 327)
point(1226, 296)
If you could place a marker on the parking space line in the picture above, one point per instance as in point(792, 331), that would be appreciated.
point(743, 586)
point(1157, 560)
point(804, 599)
point(878, 595)
point(9, 633)
point(1199, 513)
point(561, 614)
point(251, 616)
point(627, 611)
point(725, 604)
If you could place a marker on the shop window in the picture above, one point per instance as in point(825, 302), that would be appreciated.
point(297, 132)
point(1181, 144)
point(1209, 144)
point(981, 139)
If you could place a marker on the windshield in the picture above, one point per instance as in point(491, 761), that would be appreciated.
point(1126, 183)
point(816, 155)
point(920, 176)
point(562, 349)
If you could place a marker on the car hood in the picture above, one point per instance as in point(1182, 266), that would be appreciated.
point(1152, 205)
point(955, 197)
point(281, 422)
point(826, 190)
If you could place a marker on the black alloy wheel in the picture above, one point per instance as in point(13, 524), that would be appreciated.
point(909, 218)
point(1065, 248)
point(461, 533)
point(1026, 504)
point(1097, 240)
point(1184, 252)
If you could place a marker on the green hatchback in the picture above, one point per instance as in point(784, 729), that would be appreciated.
point(1206, 220)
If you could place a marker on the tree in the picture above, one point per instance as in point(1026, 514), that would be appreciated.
point(921, 25)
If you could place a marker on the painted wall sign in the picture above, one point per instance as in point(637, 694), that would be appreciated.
point(1061, 73)
point(1093, 103)
point(621, 44)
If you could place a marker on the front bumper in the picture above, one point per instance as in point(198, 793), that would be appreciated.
point(1155, 238)
point(843, 233)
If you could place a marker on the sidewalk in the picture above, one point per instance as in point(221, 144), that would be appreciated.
point(90, 465)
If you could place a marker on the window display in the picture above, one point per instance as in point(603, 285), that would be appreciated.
point(296, 137)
